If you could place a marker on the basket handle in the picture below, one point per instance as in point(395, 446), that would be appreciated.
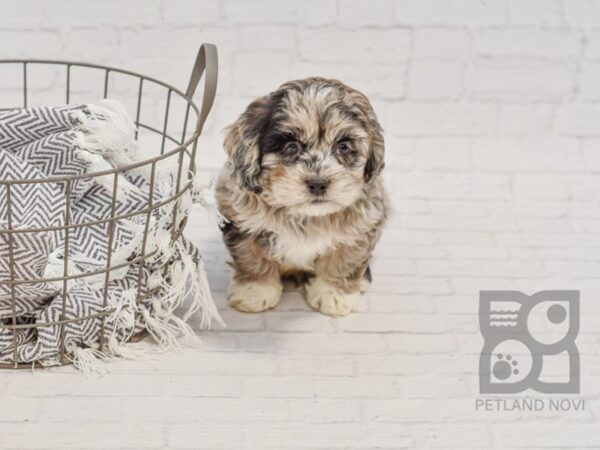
point(207, 64)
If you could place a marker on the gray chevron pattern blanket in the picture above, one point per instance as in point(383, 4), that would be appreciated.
point(41, 143)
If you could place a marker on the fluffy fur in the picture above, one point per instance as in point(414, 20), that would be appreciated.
point(302, 195)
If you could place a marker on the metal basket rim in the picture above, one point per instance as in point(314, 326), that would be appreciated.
point(181, 147)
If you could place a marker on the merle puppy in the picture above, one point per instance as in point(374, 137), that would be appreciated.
point(302, 193)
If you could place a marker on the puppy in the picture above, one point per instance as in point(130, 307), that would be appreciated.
point(302, 194)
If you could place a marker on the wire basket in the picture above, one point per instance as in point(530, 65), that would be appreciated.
point(179, 145)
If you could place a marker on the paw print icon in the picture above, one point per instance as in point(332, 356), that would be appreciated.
point(529, 342)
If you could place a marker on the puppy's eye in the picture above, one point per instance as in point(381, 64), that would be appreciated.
point(292, 147)
point(343, 148)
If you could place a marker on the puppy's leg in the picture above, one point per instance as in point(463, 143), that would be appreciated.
point(366, 280)
point(254, 296)
point(328, 298)
point(340, 279)
point(256, 285)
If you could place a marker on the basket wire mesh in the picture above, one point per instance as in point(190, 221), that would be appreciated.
point(181, 147)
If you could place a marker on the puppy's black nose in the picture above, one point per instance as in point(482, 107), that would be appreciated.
point(317, 186)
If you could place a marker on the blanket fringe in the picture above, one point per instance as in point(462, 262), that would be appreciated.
point(88, 361)
point(182, 285)
point(203, 196)
point(106, 129)
point(205, 302)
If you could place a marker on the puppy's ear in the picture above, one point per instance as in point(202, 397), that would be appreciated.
point(375, 162)
point(242, 142)
point(363, 110)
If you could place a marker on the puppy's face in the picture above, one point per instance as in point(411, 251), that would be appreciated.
point(310, 147)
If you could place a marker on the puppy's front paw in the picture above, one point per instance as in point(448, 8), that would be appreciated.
point(328, 299)
point(254, 296)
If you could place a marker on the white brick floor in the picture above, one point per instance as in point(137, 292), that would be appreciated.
point(400, 373)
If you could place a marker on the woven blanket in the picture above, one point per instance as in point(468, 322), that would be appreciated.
point(42, 143)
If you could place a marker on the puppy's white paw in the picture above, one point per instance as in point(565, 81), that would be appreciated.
point(254, 296)
point(329, 299)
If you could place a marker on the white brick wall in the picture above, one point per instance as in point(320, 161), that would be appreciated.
point(492, 118)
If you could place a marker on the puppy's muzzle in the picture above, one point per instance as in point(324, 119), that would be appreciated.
point(317, 186)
